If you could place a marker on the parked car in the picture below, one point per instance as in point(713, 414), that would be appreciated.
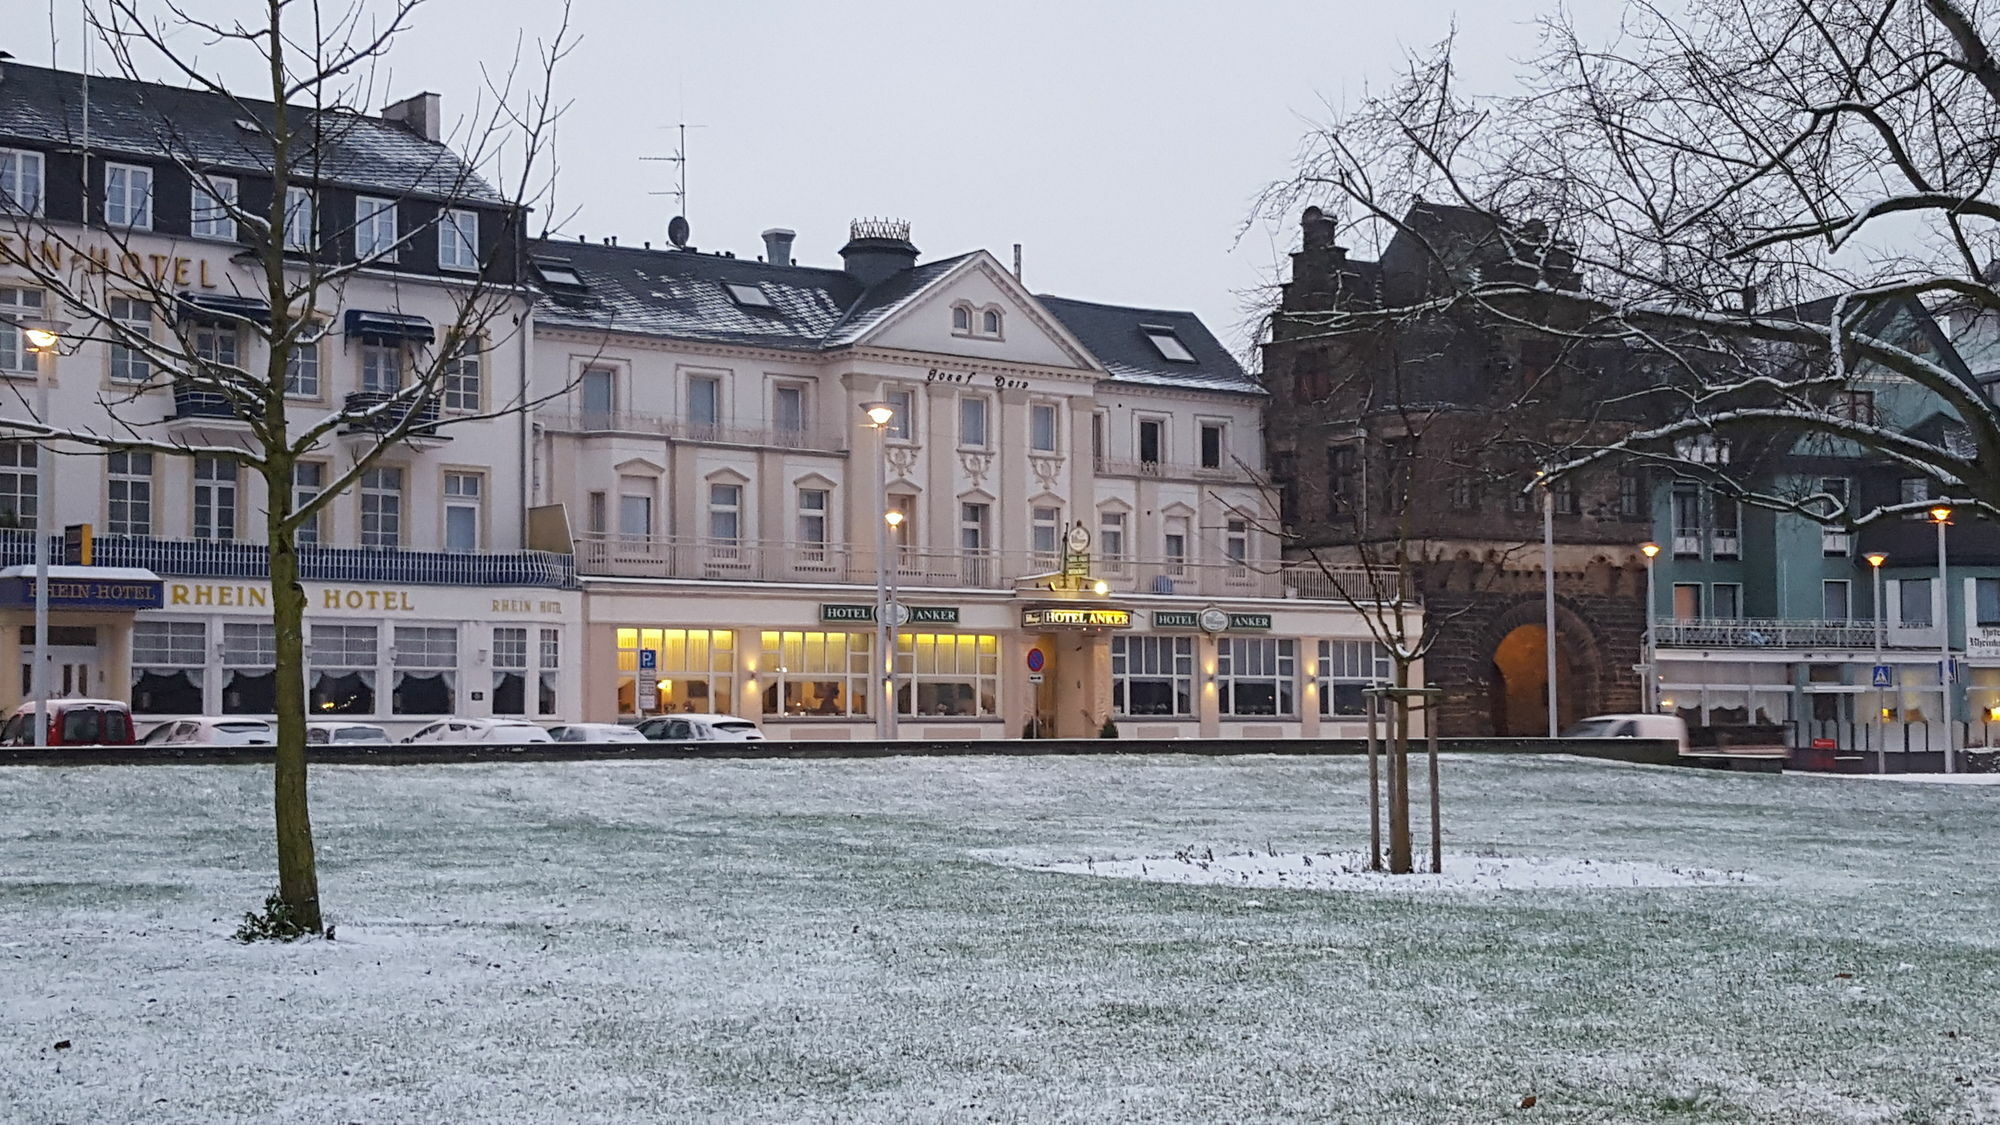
point(1669, 727)
point(481, 730)
point(332, 732)
point(597, 732)
point(214, 730)
point(72, 722)
point(700, 728)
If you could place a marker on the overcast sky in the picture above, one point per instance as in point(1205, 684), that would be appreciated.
point(1122, 142)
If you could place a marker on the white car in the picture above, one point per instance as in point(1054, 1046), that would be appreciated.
point(598, 732)
point(331, 732)
point(213, 730)
point(481, 730)
point(700, 728)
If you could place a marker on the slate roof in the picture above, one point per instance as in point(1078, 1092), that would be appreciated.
point(1116, 336)
point(882, 300)
point(39, 106)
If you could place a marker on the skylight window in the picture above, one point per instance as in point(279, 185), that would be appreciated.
point(1168, 343)
point(749, 296)
point(559, 273)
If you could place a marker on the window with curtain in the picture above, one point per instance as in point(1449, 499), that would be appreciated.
point(816, 674)
point(168, 660)
point(343, 661)
point(1152, 676)
point(249, 676)
point(426, 664)
point(947, 674)
point(1257, 676)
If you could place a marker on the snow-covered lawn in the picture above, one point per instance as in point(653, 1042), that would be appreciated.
point(924, 940)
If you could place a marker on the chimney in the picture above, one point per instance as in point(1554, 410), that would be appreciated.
point(1319, 230)
point(1017, 261)
point(778, 246)
point(878, 249)
point(420, 114)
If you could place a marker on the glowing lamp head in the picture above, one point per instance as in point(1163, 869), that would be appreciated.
point(1649, 549)
point(1876, 559)
point(879, 413)
point(1101, 587)
point(893, 518)
point(1941, 514)
point(41, 339)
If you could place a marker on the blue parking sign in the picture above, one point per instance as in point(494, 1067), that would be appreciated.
point(1884, 677)
point(649, 659)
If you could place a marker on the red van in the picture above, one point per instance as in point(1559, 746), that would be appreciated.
point(72, 722)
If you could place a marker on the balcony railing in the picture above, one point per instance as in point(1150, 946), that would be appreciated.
point(1756, 632)
point(754, 560)
point(206, 558)
point(193, 400)
point(681, 429)
point(1168, 470)
point(387, 416)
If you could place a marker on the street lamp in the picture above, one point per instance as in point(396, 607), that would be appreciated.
point(1875, 561)
point(1941, 515)
point(42, 337)
point(894, 520)
point(879, 416)
point(1549, 592)
point(1651, 550)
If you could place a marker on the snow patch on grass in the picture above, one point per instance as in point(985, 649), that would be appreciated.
point(1349, 871)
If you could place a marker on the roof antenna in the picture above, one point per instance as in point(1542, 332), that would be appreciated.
point(677, 229)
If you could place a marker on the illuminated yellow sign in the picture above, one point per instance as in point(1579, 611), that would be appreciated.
point(1076, 618)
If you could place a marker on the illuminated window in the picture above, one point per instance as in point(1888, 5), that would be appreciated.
point(810, 675)
point(694, 670)
point(1257, 676)
point(947, 674)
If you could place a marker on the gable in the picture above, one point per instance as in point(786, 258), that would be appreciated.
point(1028, 334)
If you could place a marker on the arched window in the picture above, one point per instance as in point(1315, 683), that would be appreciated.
point(989, 322)
point(961, 319)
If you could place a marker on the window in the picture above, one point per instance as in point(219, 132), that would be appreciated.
point(597, 392)
point(1211, 445)
point(1986, 600)
point(342, 660)
point(128, 196)
point(1631, 500)
point(1111, 537)
point(1098, 422)
point(1042, 427)
point(215, 345)
point(458, 240)
point(947, 674)
point(1343, 480)
point(903, 426)
point(129, 493)
point(1168, 343)
point(308, 479)
point(20, 181)
point(1045, 530)
point(1913, 596)
point(426, 661)
point(551, 669)
point(704, 400)
point(17, 356)
point(972, 526)
point(382, 368)
point(464, 508)
point(989, 322)
point(1236, 547)
point(560, 273)
point(596, 519)
point(903, 534)
point(1858, 406)
point(302, 369)
point(208, 211)
point(1914, 490)
point(1562, 495)
point(972, 421)
point(1346, 669)
point(464, 383)
point(812, 522)
point(169, 659)
point(1687, 601)
point(635, 507)
point(961, 320)
point(1152, 676)
point(18, 477)
point(1726, 540)
point(788, 408)
point(510, 670)
point(300, 222)
point(694, 669)
point(249, 680)
point(134, 320)
point(1256, 676)
point(1687, 522)
point(1725, 600)
point(1176, 545)
point(748, 296)
point(382, 507)
point(1833, 597)
point(1833, 541)
point(817, 675)
point(1464, 493)
point(1152, 441)
point(214, 498)
point(374, 228)
point(725, 515)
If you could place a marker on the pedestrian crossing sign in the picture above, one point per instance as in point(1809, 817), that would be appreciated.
point(1884, 677)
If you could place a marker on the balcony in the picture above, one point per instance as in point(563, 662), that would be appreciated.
point(383, 414)
point(1771, 633)
point(753, 560)
point(590, 422)
point(205, 558)
point(200, 410)
point(1171, 470)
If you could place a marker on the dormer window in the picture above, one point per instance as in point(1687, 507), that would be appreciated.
point(1168, 343)
point(961, 320)
point(747, 296)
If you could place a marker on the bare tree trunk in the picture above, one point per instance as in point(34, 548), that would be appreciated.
point(298, 872)
point(1400, 862)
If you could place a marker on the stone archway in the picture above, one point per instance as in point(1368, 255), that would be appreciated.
point(1517, 672)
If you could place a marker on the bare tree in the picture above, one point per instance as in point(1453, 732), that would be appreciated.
point(1764, 197)
point(305, 128)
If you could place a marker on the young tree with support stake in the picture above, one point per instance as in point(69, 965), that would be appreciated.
point(305, 133)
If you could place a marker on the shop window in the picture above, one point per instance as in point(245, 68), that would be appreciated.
point(1257, 676)
point(947, 674)
point(510, 670)
point(1152, 676)
point(821, 675)
point(1346, 669)
point(168, 658)
point(694, 670)
point(551, 670)
point(426, 662)
point(249, 678)
point(342, 660)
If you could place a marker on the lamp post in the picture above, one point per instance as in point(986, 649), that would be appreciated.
point(1941, 515)
point(1875, 561)
point(894, 521)
point(42, 340)
point(1549, 595)
point(880, 415)
point(1651, 696)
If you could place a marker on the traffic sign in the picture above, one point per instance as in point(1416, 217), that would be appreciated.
point(1035, 661)
point(1884, 676)
point(1035, 677)
point(649, 659)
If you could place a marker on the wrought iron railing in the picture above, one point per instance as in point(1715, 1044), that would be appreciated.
point(682, 429)
point(207, 558)
point(1769, 632)
point(1170, 470)
point(388, 415)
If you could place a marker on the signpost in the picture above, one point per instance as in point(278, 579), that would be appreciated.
point(1035, 661)
point(1885, 676)
point(649, 683)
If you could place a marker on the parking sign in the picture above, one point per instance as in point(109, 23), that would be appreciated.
point(649, 659)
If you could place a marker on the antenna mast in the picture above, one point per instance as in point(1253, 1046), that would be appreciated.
point(680, 161)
